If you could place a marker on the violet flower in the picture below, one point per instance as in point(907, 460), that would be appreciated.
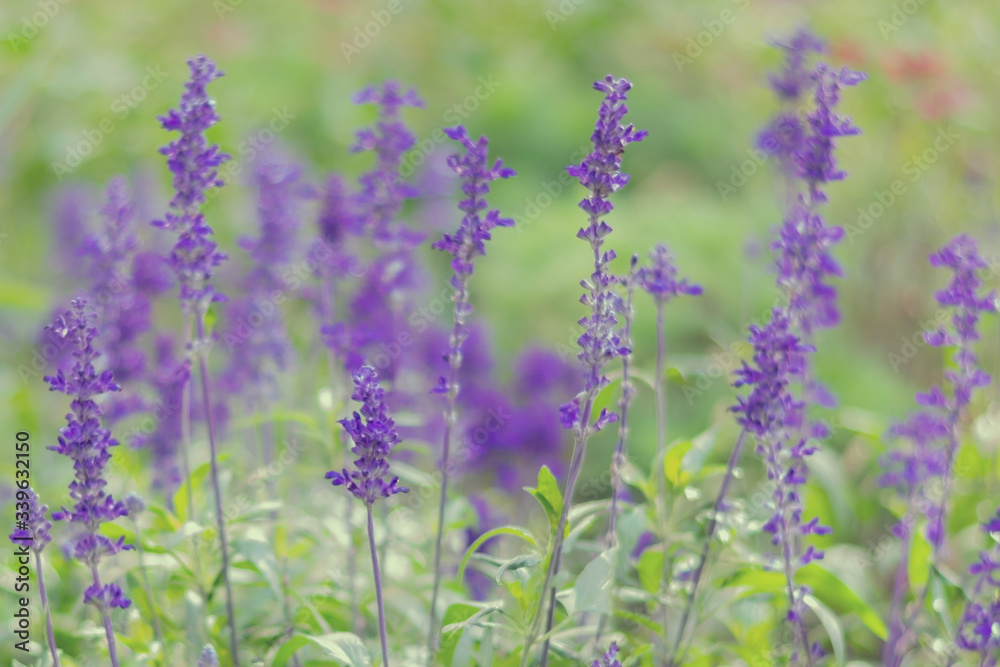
point(383, 191)
point(609, 659)
point(88, 444)
point(599, 172)
point(977, 629)
point(194, 164)
point(255, 336)
point(32, 533)
point(374, 434)
point(209, 657)
point(465, 246)
point(923, 471)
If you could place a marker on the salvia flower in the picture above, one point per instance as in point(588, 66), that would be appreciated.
point(933, 431)
point(600, 172)
point(659, 278)
point(194, 164)
point(255, 334)
point(383, 190)
point(374, 435)
point(977, 629)
point(609, 659)
point(469, 241)
point(168, 380)
point(208, 657)
point(36, 526)
point(88, 444)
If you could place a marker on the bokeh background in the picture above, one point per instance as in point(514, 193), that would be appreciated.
point(699, 70)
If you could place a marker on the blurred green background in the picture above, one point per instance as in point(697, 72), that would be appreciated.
point(699, 71)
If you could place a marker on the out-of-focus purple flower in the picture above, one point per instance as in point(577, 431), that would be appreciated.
point(933, 431)
point(600, 172)
point(194, 163)
point(123, 284)
point(977, 627)
point(480, 585)
point(254, 331)
point(646, 540)
point(609, 659)
point(374, 435)
point(36, 533)
point(71, 206)
point(659, 277)
point(208, 657)
point(796, 75)
point(88, 444)
point(541, 373)
point(168, 381)
point(383, 190)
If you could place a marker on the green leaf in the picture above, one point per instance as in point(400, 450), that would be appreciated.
point(829, 589)
point(920, 559)
point(516, 563)
point(345, 647)
point(651, 569)
point(639, 619)
point(592, 591)
point(181, 496)
point(504, 530)
point(257, 550)
point(457, 618)
point(548, 496)
point(672, 463)
point(832, 625)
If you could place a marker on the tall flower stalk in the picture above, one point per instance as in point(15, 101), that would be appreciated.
point(781, 389)
point(194, 163)
point(88, 444)
point(600, 172)
point(32, 533)
point(934, 433)
point(374, 435)
point(465, 246)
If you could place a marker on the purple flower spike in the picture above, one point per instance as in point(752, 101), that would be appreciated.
point(600, 172)
point(37, 525)
point(194, 164)
point(88, 444)
point(609, 659)
point(659, 279)
point(976, 629)
point(382, 190)
point(374, 435)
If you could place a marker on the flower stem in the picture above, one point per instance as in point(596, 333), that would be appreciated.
point(890, 656)
point(660, 395)
point(575, 467)
point(378, 588)
point(618, 460)
point(206, 395)
point(48, 613)
point(720, 499)
point(145, 584)
point(458, 335)
point(106, 617)
point(328, 306)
